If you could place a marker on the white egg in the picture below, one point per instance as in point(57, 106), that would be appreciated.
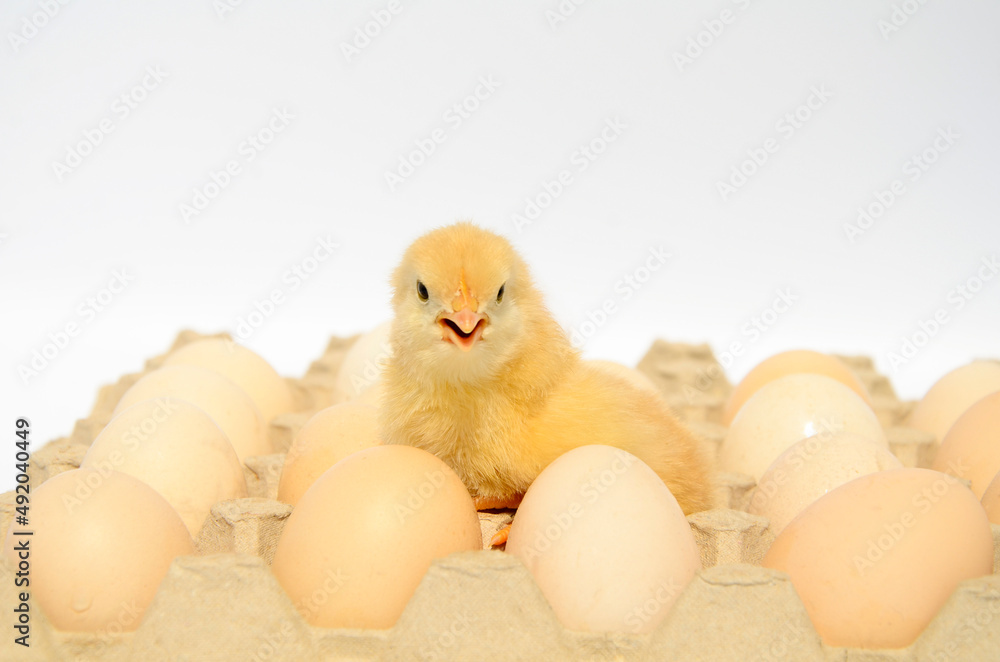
point(175, 448)
point(787, 410)
point(811, 468)
point(364, 361)
point(605, 540)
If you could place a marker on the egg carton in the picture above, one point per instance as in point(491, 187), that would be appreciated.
point(224, 603)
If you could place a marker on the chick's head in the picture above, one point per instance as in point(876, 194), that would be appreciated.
point(459, 296)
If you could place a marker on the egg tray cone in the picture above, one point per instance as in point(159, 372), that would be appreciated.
point(225, 604)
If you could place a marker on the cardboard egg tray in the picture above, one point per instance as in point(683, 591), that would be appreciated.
point(224, 603)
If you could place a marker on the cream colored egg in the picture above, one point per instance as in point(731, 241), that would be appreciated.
point(790, 363)
point(991, 500)
point(325, 439)
point(176, 449)
point(372, 395)
point(241, 366)
point(630, 375)
point(228, 405)
point(101, 544)
point(971, 448)
point(362, 537)
point(951, 395)
point(875, 559)
point(605, 541)
point(364, 362)
point(812, 467)
point(788, 410)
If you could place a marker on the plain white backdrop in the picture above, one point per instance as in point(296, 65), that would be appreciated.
point(739, 139)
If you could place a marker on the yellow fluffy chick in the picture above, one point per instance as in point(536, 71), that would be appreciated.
point(483, 377)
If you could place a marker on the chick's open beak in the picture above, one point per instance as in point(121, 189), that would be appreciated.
point(463, 328)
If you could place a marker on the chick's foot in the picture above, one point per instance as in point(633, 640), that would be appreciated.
point(491, 503)
point(500, 537)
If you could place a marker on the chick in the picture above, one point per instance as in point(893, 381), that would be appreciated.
point(482, 376)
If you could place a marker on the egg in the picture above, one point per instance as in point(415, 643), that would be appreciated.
point(364, 361)
point(787, 410)
point(789, 363)
point(991, 500)
point(812, 467)
point(325, 439)
point(243, 367)
point(875, 559)
point(371, 395)
point(362, 537)
point(228, 405)
point(951, 395)
point(176, 449)
point(102, 542)
point(605, 541)
point(630, 375)
point(970, 450)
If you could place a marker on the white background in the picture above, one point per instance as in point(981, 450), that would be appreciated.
point(63, 236)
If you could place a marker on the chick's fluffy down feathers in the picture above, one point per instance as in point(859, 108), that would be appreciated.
point(501, 411)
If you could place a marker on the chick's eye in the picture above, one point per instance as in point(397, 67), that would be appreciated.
point(422, 291)
point(500, 293)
